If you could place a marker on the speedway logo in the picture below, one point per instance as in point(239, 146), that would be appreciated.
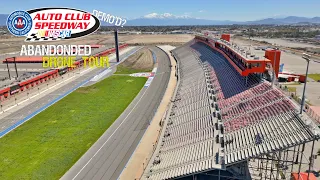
point(47, 24)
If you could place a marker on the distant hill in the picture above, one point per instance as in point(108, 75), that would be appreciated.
point(175, 22)
point(168, 19)
point(286, 20)
point(3, 19)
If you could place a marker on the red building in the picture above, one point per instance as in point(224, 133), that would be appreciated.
point(239, 60)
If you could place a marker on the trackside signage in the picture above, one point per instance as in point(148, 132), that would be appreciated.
point(48, 24)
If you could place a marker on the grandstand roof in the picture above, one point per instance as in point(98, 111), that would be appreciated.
point(240, 51)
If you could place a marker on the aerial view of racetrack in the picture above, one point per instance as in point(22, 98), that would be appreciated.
point(109, 155)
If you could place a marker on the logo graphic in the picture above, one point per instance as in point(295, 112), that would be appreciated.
point(19, 23)
point(48, 24)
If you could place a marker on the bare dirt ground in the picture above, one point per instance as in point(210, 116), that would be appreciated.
point(159, 39)
point(286, 43)
point(11, 44)
point(292, 62)
point(141, 60)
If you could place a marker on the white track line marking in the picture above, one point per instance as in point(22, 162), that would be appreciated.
point(110, 135)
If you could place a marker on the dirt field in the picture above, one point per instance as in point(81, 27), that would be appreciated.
point(159, 39)
point(142, 61)
point(286, 43)
point(12, 44)
point(292, 62)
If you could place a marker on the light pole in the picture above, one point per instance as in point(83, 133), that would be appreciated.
point(274, 66)
point(307, 58)
point(8, 69)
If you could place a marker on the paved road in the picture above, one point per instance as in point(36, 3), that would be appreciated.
point(7, 120)
point(108, 156)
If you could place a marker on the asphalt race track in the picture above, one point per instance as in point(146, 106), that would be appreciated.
point(108, 156)
point(9, 120)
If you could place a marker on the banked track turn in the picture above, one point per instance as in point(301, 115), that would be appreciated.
point(109, 155)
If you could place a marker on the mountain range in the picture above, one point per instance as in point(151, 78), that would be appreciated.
point(155, 19)
point(168, 19)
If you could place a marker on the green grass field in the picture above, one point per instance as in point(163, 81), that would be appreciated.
point(292, 89)
point(126, 70)
point(46, 146)
point(315, 77)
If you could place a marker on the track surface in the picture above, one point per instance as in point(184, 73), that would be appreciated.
point(108, 156)
point(14, 117)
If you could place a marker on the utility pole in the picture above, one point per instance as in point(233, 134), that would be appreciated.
point(8, 69)
point(307, 58)
point(116, 44)
point(274, 67)
point(15, 66)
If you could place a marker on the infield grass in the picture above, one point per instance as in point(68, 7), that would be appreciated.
point(48, 145)
point(127, 70)
point(315, 77)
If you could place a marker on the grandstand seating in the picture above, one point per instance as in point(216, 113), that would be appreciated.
point(190, 127)
point(251, 110)
point(255, 118)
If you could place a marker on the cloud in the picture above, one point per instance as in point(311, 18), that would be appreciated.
point(164, 16)
point(201, 11)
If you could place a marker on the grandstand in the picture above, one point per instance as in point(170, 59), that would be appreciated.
point(222, 118)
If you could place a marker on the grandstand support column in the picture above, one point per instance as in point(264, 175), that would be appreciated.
point(274, 70)
point(271, 170)
point(8, 69)
point(15, 66)
point(307, 58)
point(279, 159)
point(116, 44)
point(265, 174)
point(294, 151)
point(311, 158)
point(259, 168)
point(286, 161)
point(303, 145)
point(247, 170)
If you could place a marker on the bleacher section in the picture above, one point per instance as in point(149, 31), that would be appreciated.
point(257, 118)
point(219, 118)
point(188, 144)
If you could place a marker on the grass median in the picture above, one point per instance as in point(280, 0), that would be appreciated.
point(48, 145)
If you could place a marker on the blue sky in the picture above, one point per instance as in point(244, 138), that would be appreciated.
point(236, 10)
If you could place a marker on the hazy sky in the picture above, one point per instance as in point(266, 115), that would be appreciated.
point(237, 10)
